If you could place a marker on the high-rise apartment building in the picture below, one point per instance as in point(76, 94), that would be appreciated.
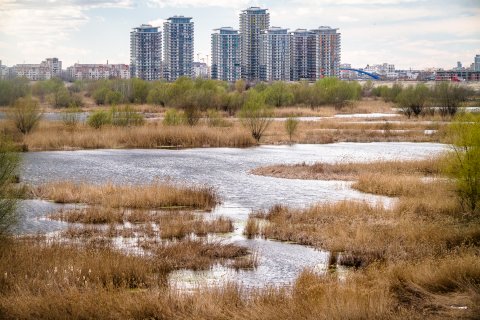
point(327, 52)
point(254, 21)
point(477, 63)
point(275, 55)
point(146, 53)
point(226, 54)
point(178, 47)
point(302, 54)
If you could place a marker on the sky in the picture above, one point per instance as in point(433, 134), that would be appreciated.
point(413, 34)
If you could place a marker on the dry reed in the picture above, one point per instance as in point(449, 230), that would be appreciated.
point(155, 195)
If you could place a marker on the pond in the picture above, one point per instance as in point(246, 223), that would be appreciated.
point(227, 170)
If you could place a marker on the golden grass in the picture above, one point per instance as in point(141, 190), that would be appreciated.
point(426, 220)
point(55, 136)
point(155, 195)
point(350, 170)
point(171, 225)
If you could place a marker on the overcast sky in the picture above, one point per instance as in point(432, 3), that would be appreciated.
point(407, 33)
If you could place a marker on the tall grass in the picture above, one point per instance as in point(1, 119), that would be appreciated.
point(155, 195)
point(351, 170)
point(51, 136)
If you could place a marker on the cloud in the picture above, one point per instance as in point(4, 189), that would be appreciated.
point(41, 27)
point(201, 3)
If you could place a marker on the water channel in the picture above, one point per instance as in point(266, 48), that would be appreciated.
point(227, 170)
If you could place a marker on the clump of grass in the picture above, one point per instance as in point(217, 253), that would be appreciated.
point(252, 227)
point(195, 254)
point(155, 195)
point(248, 262)
point(351, 170)
point(89, 215)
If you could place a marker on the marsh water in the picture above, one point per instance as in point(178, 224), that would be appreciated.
point(226, 170)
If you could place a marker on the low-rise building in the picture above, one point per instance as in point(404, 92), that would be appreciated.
point(50, 68)
point(98, 71)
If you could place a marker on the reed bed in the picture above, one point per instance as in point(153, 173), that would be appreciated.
point(351, 170)
point(55, 136)
point(426, 221)
point(156, 195)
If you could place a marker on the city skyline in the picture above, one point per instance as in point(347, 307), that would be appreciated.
point(408, 33)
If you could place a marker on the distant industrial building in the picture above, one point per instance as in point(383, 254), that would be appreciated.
point(48, 69)
point(226, 54)
point(275, 55)
point(178, 47)
point(254, 21)
point(98, 71)
point(146, 52)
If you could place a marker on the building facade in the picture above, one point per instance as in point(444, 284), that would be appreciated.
point(48, 69)
point(201, 70)
point(254, 21)
point(178, 47)
point(327, 51)
point(477, 63)
point(302, 55)
point(226, 55)
point(275, 55)
point(146, 53)
point(98, 71)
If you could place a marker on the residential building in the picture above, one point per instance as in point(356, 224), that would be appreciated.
point(254, 21)
point(275, 57)
point(146, 53)
point(226, 54)
point(201, 70)
point(477, 63)
point(327, 50)
point(50, 68)
point(98, 71)
point(302, 55)
point(178, 47)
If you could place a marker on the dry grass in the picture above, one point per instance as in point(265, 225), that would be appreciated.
point(169, 225)
point(426, 220)
point(330, 131)
point(155, 195)
point(350, 170)
point(54, 136)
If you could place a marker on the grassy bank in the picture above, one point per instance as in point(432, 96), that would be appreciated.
point(350, 170)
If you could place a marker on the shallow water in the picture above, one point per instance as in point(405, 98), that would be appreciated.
point(227, 170)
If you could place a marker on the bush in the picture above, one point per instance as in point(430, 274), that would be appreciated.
point(291, 125)
point(215, 119)
point(255, 115)
point(126, 117)
point(26, 114)
point(9, 162)
point(71, 116)
point(279, 94)
point(412, 100)
point(99, 119)
point(11, 90)
point(172, 118)
point(447, 98)
point(464, 160)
